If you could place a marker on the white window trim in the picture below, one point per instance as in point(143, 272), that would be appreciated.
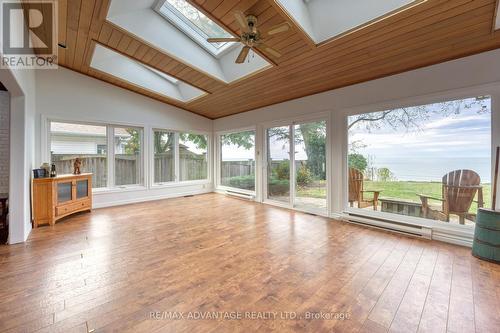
point(193, 32)
point(218, 161)
point(177, 182)
point(492, 90)
point(110, 187)
point(322, 116)
point(142, 154)
point(152, 168)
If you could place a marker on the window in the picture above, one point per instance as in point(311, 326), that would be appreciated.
point(430, 161)
point(101, 149)
point(164, 156)
point(193, 159)
point(278, 163)
point(69, 141)
point(238, 160)
point(310, 165)
point(296, 169)
point(195, 24)
point(128, 156)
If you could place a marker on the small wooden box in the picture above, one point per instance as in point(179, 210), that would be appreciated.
point(55, 198)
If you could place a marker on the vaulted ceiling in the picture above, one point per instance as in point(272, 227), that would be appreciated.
point(431, 32)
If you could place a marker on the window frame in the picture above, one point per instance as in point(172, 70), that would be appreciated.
point(209, 170)
point(218, 159)
point(176, 157)
point(177, 181)
point(173, 16)
point(111, 138)
point(491, 90)
point(330, 167)
point(110, 154)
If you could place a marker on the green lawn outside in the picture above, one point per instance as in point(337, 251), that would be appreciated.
point(409, 191)
point(399, 190)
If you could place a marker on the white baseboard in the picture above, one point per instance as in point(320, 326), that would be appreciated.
point(150, 198)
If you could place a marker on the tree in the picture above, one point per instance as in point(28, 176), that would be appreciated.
point(133, 142)
point(385, 175)
point(412, 118)
point(241, 139)
point(358, 161)
point(313, 135)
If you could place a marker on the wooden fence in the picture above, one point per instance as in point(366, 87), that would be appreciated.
point(90, 163)
point(232, 169)
point(128, 167)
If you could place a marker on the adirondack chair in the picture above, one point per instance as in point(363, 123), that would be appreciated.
point(458, 192)
point(356, 191)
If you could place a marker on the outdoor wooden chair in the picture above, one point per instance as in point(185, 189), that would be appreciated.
point(356, 191)
point(458, 192)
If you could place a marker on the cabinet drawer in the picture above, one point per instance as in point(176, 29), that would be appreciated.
point(72, 207)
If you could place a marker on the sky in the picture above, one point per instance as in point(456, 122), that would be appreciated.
point(444, 144)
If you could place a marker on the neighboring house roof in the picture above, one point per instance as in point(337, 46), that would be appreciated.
point(82, 129)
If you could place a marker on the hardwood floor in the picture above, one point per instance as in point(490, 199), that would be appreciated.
point(125, 269)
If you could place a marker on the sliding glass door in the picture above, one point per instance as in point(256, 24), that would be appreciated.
point(296, 169)
point(278, 164)
point(310, 165)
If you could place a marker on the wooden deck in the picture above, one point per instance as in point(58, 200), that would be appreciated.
point(126, 269)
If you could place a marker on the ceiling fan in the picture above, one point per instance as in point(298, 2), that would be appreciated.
point(251, 37)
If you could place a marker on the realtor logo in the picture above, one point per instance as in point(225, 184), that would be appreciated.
point(29, 34)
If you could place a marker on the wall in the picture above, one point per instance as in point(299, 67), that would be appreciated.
point(90, 100)
point(21, 87)
point(4, 140)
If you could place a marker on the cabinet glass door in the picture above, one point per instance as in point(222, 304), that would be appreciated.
point(82, 189)
point(63, 192)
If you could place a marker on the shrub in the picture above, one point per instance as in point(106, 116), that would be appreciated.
point(283, 170)
point(304, 176)
point(278, 186)
point(243, 182)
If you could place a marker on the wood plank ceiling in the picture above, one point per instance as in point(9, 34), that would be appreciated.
point(429, 33)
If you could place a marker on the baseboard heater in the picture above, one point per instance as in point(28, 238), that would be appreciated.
point(240, 195)
point(385, 224)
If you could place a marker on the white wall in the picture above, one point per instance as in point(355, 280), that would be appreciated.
point(4, 141)
point(67, 95)
point(21, 87)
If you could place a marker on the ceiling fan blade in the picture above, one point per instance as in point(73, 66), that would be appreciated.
point(241, 19)
point(243, 55)
point(277, 29)
point(222, 40)
point(270, 50)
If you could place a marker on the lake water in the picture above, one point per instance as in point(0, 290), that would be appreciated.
point(434, 169)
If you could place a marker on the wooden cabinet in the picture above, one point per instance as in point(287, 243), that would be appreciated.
point(55, 198)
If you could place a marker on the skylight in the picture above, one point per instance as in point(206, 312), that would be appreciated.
point(172, 79)
point(136, 73)
point(325, 19)
point(195, 24)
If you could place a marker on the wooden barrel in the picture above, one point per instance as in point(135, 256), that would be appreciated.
point(486, 243)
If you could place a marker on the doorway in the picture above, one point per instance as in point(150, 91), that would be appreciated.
point(4, 161)
point(296, 167)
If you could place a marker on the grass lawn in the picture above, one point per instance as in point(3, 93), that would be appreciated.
point(398, 190)
point(408, 191)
